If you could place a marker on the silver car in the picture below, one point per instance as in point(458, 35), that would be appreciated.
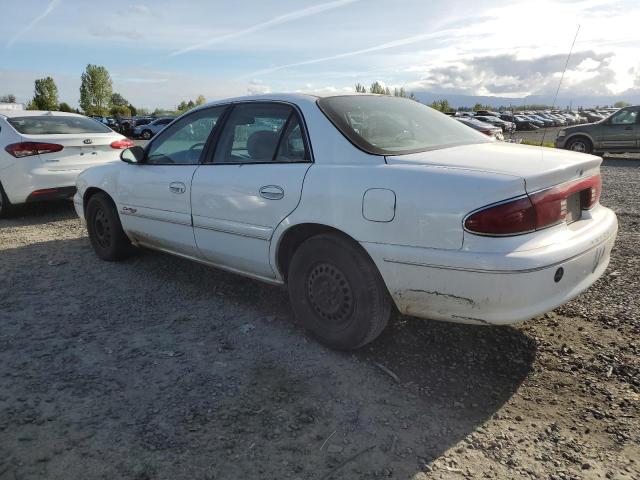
point(150, 129)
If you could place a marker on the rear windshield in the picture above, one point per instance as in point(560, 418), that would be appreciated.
point(53, 124)
point(392, 126)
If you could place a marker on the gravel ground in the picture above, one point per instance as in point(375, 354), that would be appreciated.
point(158, 368)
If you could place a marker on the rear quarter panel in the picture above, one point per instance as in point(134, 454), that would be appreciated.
point(431, 202)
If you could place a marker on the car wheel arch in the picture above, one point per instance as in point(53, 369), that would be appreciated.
point(90, 192)
point(295, 235)
point(584, 135)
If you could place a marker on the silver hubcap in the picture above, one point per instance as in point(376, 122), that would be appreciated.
point(578, 146)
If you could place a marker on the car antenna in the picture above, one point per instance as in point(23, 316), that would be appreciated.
point(555, 98)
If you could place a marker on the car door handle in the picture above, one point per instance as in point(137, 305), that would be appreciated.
point(177, 187)
point(272, 192)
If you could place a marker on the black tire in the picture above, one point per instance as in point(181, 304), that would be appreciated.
point(146, 134)
point(337, 292)
point(105, 230)
point(580, 144)
point(6, 208)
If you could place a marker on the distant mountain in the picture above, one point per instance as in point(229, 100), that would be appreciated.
point(457, 100)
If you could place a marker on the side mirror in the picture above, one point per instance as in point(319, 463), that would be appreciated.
point(132, 155)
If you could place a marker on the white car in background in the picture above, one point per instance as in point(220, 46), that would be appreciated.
point(42, 153)
point(359, 203)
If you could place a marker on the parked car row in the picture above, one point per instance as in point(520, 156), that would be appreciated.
point(532, 120)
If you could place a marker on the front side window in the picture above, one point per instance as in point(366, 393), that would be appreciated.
point(384, 125)
point(183, 142)
point(625, 117)
point(252, 134)
point(56, 124)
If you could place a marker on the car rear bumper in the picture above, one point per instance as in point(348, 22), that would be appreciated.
point(490, 288)
point(79, 207)
point(25, 183)
point(25, 186)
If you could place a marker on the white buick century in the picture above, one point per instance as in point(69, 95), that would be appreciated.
point(358, 203)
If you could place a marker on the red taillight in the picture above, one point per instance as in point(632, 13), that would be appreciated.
point(509, 218)
point(124, 143)
point(535, 211)
point(27, 149)
point(45, 191)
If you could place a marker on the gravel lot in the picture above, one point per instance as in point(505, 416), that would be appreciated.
point(158, 368)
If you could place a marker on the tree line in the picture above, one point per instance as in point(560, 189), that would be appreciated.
point(96, 97)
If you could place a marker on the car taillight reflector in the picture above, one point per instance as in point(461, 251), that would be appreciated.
point(27, 149)
point(122, 144)
point(535, 211)
point(509, 218)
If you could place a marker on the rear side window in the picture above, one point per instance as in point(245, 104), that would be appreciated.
point(252, 134)
point(54, 124)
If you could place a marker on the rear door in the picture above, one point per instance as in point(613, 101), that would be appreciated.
point(253, 182)
point(154, 197)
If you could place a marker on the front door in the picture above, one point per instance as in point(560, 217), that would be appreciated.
point(621, 131)
point(253, 181)
point(155, 195)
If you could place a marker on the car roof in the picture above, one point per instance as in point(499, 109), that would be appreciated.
point(31, 113)
point(295, 98)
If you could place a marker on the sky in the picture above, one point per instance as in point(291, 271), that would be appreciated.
point(160, 53)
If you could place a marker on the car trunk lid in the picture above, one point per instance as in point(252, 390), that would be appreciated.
point(79, 151)
point(539, 167)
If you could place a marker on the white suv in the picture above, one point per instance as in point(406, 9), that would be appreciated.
point(42, 153)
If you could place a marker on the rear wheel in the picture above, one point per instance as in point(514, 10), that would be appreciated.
point(5, 205)
point(105, 230)
point(146, 134)
point(337, 292)
point(580, 144)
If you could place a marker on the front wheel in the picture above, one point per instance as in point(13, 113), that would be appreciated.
point(146, 134)
point(337, 292)
point(105, 230)
point(580, 144)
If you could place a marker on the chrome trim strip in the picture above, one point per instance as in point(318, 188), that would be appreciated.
point(500, 272)
point(230, 232)
point(157, 219)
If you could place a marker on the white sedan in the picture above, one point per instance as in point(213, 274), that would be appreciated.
point(42, 153)
point(359, 203)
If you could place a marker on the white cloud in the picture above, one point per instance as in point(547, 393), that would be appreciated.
point(50, 6)
point(384, 46)
point(288, 17)
point(256, 87)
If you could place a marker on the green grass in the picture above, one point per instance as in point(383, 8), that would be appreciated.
point(537, 143)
